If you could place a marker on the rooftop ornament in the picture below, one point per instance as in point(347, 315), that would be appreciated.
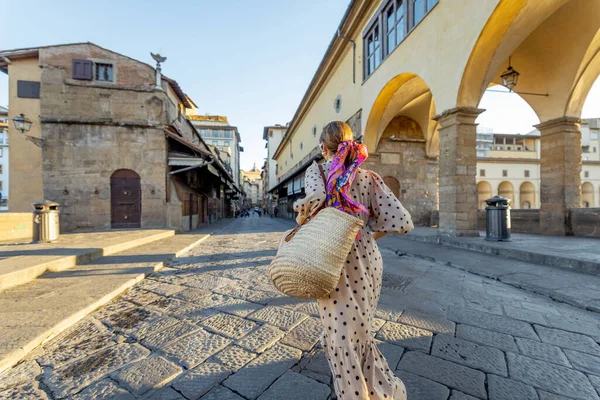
point(23, 125)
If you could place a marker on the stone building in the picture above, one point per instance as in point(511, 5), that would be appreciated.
point(509, 166)
point(273, 136)
point(115, 148)
point(4, 159)
point(409, 80)
point(253, 188)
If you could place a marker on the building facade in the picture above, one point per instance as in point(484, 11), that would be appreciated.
point(273, 135)
point(109, 141)
point(418, 119)
point(4, 159)
point(253, 187)
point(216, 131)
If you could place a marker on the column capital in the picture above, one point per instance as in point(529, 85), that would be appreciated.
point(561, 123)
point(458, 112)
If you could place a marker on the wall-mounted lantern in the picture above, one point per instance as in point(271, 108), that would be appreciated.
point(23, 124)
point(510, 77)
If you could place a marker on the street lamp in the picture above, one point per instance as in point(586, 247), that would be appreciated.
point(23, 124)
point(510, 77)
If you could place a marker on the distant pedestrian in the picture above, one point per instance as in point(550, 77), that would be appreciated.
point(276, 211)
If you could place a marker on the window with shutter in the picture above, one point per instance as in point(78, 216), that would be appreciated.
point(83, 69)
point(28, 90)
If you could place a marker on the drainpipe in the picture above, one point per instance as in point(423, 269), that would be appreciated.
point(339, 34)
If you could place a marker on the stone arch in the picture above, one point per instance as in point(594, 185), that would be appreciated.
point(484, 192)
point(506, 190)
point(527, 195)
point(125, 199)
point(587, 195)
point(393, 184)
point(532, 32)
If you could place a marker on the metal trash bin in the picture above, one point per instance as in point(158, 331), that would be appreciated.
point(497, 219)
point(45, 221)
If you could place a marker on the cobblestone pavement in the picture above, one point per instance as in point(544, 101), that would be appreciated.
point(213, 327)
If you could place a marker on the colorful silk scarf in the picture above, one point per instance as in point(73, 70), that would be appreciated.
point(340, 178)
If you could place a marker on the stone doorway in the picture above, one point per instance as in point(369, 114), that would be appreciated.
point(125, 199)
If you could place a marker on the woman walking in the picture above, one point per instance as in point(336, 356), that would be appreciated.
point(358, 368)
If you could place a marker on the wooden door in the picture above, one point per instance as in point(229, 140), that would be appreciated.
point(125, 199)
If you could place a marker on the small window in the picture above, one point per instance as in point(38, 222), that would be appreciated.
point(585, 203)
point(372, 50)
point(526, 173)
point(314, 130)
point(504, 172)
point(1, 152)
point(482, 172)
point(1, 168)
point(586, 174)
point(28, 90)
point(104, 72)
point(215, 133)
point(228, 134)
point(594, 149)
point(301, 145)
point(227, 143)
point(83, 69)
point(1, 185)
point(203, 132)
point(215, 143)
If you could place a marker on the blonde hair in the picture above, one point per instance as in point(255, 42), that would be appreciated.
point(335, 133)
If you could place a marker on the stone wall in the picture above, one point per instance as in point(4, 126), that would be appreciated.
point(16, 226)
point(80, 159)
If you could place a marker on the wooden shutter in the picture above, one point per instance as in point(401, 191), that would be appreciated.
point(83, 69)
point(28, 90)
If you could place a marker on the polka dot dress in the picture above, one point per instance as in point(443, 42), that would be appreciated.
point(359, 369)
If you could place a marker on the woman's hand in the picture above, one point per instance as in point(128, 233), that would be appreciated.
point(300, 219)
point(379, 235)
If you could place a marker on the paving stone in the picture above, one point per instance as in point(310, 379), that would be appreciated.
point(29, 391)
point(545, 308)
point(492, 322)
point(192, 295)
point(66, 355)
point(503, 389)
point(147, 374)
point(456, 395)
point(428, 322)
point(221, 393)
point(484, 306)
point(550, 377)
point(254, 296)
point(532, 317)
point(450, 374)
point(280, 317)
point(542, 351)
point(568, 340)
point(21, 374)
point(234, 357)
point(376, 325)
point(141, 297)
point(151, 326)
point(83, 330)
point(164, 289)
point(261, 372)
point(551, 396)
point(238, 307)
point(310, 308)
point(261, 339)
point(103, 389)
point(295, 386)
point(182, 310)
point(201, 379)
point(305, 335)
point(196, 347)
point(229, 325)
point(584, 362)
point(165, 336)
point(595, 382)
point(165, 393)
point(487, 359)
point(388, 313)
point(391, 353)
point(500, 341)
point(406, 336)
point(577, 325)
point(318, 363)
point(209, 282)
point(324, 379)
point(74, 377)
point(421, 388)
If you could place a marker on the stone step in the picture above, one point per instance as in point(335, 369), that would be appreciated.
point(23, 263)
point(35, 312)
point(569, 253)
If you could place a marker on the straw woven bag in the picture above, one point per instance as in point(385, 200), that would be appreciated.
point(310, 259)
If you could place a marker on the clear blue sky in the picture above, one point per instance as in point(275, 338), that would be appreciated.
point(249, 60)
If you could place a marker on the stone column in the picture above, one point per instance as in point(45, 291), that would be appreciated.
point(560, 174)
point(457, 171)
